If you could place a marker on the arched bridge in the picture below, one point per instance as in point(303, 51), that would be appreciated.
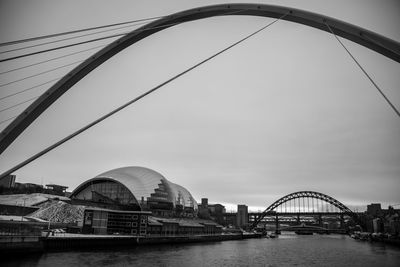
point(371, 40)
point(305, 203)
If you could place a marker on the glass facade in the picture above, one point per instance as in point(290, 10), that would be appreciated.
point(113, 191)
point(137, 186)
point(103, 221)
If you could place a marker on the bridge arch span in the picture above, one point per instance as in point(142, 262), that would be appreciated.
point(309, 194)
point(371, 40)
point(305, 194)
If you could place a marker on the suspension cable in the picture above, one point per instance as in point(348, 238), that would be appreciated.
point(76, 31)
point(29, 88)
point(70, 38)
point(4, 121)
point(20, 103)
point(88, 126)
point(61, 47)
point(365, 72)
point(83, 42)
point(51, 59)
point(103, 38)
point(40, 73)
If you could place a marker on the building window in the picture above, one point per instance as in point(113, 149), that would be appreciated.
point(88, 218)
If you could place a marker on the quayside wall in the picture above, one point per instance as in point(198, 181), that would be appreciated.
point(93, 241)
point(21, 245)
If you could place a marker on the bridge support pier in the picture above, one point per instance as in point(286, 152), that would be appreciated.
point(277, 231)
point(341, 221)
point(320, 220)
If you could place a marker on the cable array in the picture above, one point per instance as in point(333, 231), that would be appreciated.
point(83, 42)
point(61, 47)
point(20, 103)
point(95, 122)
point(41, 73)
point(51, 59)
point(57, 38)
point(69, 38)
point(29, 88)
point(88, 41)
point(76, 31)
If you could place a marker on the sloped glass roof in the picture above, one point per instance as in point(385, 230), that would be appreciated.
point(142, 183)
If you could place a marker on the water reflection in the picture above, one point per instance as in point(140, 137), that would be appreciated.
point(286, 250)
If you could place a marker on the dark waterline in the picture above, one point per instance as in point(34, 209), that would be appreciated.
point(287, 250)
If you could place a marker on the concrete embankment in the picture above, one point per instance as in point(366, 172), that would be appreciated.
point(93, 241)
point(79, 241)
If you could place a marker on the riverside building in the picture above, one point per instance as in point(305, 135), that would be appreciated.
point(136, 189)
point(139, 201)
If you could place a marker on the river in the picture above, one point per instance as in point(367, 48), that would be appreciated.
point(286, 250)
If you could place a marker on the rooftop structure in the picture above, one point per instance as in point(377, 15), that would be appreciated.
point(137, 186)
point(57, 188)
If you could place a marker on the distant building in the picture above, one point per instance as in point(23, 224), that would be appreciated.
point(204, 203)
point(377, 225)
point(242, 217)
point(8, 181)
point(59, 189)
point(204, 212)
point(374, 209)
point(211, 211)
point(392, 222)
point(30, 186)
point(378, 220)
point(229, 219)
point(216, 209)
point(217, 212)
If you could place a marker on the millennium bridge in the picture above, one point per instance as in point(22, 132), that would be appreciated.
point(371, 40)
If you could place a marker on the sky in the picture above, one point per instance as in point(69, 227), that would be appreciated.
point(285, 111)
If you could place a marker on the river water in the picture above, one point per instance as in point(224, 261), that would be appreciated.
point(286, 250)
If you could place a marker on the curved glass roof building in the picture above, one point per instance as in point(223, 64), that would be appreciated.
point(136, 186)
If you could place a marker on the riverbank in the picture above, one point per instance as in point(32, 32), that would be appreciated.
point(376, 237)
point(65, 241)
point(288, 249)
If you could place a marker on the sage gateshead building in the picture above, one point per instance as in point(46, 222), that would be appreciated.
point(136, 188)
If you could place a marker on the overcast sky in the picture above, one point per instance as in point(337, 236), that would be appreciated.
point(287, 110)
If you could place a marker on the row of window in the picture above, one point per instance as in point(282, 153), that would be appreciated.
point(125, 224)
point(134, 232)
point(125, 230)
point(122, 216)
point(117, 223)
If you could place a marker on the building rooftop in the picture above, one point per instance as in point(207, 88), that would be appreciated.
point(117, 211)
point(143, 184)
